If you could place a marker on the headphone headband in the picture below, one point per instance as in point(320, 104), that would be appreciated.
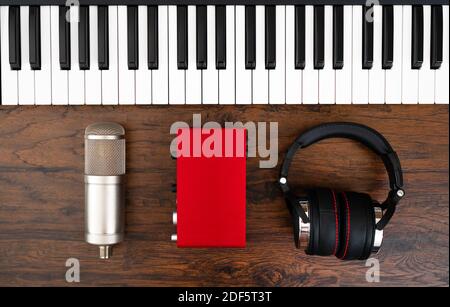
point(364, 135)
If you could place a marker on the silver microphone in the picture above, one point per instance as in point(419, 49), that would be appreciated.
point(104, 180)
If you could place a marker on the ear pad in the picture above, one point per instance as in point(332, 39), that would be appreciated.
point(296, 226)
point(357, 226)
point(324, 218)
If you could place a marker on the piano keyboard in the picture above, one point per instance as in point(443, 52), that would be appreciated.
point(294, 53)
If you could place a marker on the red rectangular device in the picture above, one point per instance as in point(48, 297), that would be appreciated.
point(211, 187)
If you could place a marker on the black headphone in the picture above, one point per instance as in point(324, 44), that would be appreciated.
point(348, 225)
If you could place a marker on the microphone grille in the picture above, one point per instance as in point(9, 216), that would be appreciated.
point(105, 129)
point(105, 150)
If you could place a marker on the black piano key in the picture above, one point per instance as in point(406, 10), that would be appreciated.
point(202, 37)
point(133, 38)
point(182, 34)
point(250, 37)
point(270, 38)
point(64, 38)
point(437, 27)
point(153, 54)
point(367, 38)
point(388, 37)
point(15, 55)
point(319, 37)
point(35, 37)
point(221, 37)
point(338, 37)
point(299, 37)
point(103, 38)
point(83, 38)
point(417, 37)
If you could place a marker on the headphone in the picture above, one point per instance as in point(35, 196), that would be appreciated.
point(348, 225)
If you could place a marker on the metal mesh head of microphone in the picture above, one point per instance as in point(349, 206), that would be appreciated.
point(105, 149)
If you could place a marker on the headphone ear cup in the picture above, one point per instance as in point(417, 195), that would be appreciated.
point(357, 227)
point(324, 218)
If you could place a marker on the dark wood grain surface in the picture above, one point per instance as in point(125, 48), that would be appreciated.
point(42, 199)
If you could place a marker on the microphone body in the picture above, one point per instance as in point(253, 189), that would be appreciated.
point(104, 186)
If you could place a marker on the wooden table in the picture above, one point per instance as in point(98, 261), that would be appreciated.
point(42, 199)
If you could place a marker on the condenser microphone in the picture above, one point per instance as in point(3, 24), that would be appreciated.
point(104, 186)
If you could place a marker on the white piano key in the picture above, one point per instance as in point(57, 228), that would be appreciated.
point(26, 75)
point(93, 75)
point(60, 78)
point(360, 82)
point(310, 75)
point(410, 78)
point(160, 76)
point(110, 77)
point(293, 76)
point(394, 75)
point(227, 76)
point(193, 75)
point(277, 77)
point(441, 92)
point(260, 74)
point(327, 75)
point(426, 74)
point(76, 76)
point(243, 76)
point(127, 77)
point(8, 77)
point(344, 75)
point(43, 77)
point(210, 85)
point(177, 76)
point(143, 74)
point(376, 74)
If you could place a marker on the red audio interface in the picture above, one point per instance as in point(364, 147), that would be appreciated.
point(211, 188)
